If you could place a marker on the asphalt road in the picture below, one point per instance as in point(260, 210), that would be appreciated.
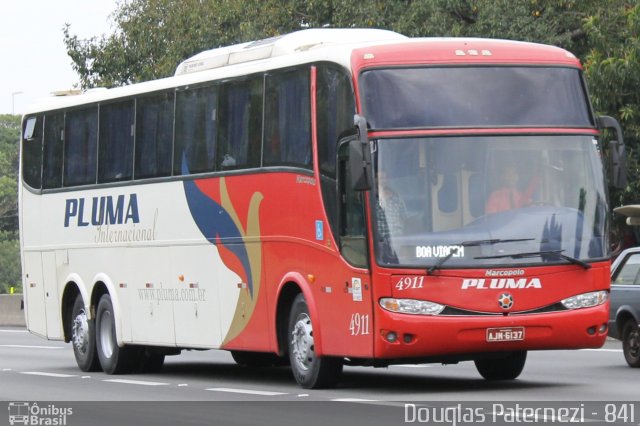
point(207, 387)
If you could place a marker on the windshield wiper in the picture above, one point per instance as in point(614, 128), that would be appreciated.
point(557, 253)
point(473, 243)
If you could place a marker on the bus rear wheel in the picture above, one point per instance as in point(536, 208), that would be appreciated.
point(507, 368)
point(309, 370)
point(113, 359)
point(83, 337)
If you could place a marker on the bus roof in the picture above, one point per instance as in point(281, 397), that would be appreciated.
point(351, 47)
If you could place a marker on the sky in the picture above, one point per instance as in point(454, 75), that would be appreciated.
point(33, 57)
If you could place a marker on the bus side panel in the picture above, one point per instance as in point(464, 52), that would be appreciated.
point(284, 230)
point(35, 311)
point(52, 302)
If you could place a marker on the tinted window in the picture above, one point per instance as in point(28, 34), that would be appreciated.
point(474, 96)
point(116, 142)
point(52, 153)
point(287, 119)
point(154, 135)
point(81, 137)
point(196, 124)
point(240, 125)
point(32, 151)
point(335, 107)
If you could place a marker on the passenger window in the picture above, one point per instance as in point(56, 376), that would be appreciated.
point(52, 151)
point(287, 131)
point(154, 135)
point(240, 133)
point(81, 138)
point(196, 130)
point(32, 152)
point(116, 142)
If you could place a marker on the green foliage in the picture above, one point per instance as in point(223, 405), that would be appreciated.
point(10, 272)
point(9, 140)
point(9, 245)
point(612, 67)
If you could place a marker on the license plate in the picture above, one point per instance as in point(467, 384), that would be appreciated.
point(505, 334)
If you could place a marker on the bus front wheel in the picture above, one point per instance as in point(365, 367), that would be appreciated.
point(507, 368)
point(113, 359)
point(309, 370)
point(83, 337)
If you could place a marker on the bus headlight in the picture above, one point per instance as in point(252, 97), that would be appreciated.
point(586, 300)
point(411, 306)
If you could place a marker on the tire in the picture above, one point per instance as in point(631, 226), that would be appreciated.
point(507, 368)
point(309, 370)
point(256, 359)
point(113, 359)
point(631, 343)
point(83, 337)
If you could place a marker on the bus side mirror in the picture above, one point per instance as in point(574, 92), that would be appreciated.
point(360, 157)
point(617, 152)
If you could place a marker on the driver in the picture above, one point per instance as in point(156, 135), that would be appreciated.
point(508, 196)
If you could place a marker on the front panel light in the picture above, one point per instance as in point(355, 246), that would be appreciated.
point(586, 300)
point(411, 306)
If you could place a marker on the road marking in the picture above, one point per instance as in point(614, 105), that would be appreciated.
point(246, 391)
point(14, 331)
point(31, 347)
point(354, 400)
point(136, 382)
point(603, 350)
point(41, 373)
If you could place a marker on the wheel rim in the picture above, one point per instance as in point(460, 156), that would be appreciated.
point(81, 332)
point(634, 343)
point(302, 342)
point(106, 336)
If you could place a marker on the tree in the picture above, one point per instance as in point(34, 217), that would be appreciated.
point(10, 270)
point(612, 67)
point(9, 245)
point(9, 139)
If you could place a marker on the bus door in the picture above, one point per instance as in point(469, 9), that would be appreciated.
point(355, 317)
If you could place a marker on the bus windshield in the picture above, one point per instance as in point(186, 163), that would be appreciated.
point(487, 201)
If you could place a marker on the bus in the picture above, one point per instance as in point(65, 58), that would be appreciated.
point(323, 198)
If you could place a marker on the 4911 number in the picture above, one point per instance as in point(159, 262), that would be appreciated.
point(407, 283)
point(359, 324)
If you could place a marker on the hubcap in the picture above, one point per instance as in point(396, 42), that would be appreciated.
point(81, 332)
point(302, 342)
point(106, 336)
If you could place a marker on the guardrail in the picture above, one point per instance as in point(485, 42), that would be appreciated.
point(11, 310)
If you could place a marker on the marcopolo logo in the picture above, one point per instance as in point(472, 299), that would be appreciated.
point(31, 414)
point(106, 210)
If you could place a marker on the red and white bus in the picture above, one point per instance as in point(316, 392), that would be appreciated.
point(325, 197)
